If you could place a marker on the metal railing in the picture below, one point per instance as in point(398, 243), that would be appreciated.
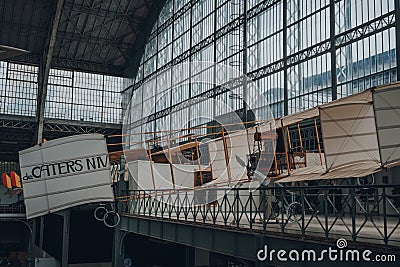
point(369, 214)
point(12, 209)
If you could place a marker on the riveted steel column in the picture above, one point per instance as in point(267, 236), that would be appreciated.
point(44, 70)
point(333, 49)
point(285, 55)
point(65, 238)
point(397, 17)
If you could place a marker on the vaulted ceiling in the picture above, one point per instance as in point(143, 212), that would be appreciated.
point(92, 35)
point(100, 36)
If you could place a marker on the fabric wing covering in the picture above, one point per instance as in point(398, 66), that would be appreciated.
point(320, 173)
point(362, 97)
point(217, 157)
point(349, 135)
point(236, 145)
point(238, 148)
point(387, 113)
point(351, 128)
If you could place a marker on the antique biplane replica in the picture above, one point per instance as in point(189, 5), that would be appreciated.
point(352, 137)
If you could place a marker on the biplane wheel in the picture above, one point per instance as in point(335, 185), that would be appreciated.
point(366, 180)
point(111, 219)
point(294, 212)
point(100, 212)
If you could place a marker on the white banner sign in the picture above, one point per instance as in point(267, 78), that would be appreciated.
point(65, 172)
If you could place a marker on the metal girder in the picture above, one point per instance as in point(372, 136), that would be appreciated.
point(136, 52)
point(84, 123)
point(112, 44)
point(207, 41)
point(102, 63)
point(343, 56)
point(85, 65)
point(250, 14)
point(15, 138)
point(213, 92)
point(298, 57)
point(332, 27)
point(88, 36)
point(284, 61)
point(309, 53)
point(56, 125)
point(119, 44)
point(123, 16)
point(238, 244)
point(267, 70)
point(76, 129)
point(367, 29)
point(17, 132)
point(44, 69)
point(264, 5)
point(95, 27)
point(22, 24)
point(39, 30)
point(17, 124)
point(66, 214)
point(397, 17)
point(173, 18)
point(29, 58)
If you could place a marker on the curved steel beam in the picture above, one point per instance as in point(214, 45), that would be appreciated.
point(44, 69)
